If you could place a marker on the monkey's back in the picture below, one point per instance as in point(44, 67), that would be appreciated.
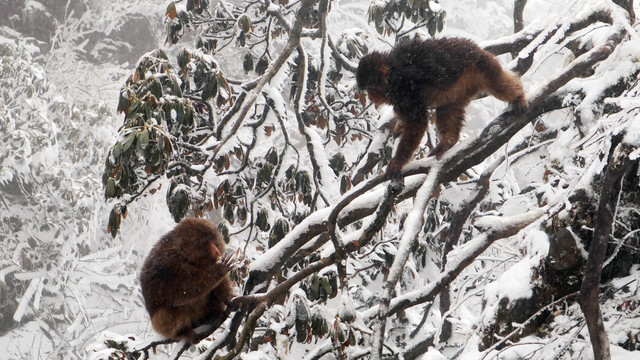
point(419, 67)
point(159, 271)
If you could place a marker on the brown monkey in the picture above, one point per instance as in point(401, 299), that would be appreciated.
point(184, 280)
point(442, 74)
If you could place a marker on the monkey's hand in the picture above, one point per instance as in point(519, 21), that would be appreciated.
point(227, 263)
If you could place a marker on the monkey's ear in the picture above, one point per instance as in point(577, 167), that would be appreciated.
point(384, 70)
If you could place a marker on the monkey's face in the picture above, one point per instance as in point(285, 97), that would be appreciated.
point(200, 250)
point(377, 96)
point(371, 76)
point(211, 248)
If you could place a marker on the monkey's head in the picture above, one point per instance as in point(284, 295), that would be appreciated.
point(198, 241)
point(371, 76)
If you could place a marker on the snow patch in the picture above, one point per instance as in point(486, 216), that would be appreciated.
point(515, 283)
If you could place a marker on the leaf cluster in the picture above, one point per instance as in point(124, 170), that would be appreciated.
point(389, 17)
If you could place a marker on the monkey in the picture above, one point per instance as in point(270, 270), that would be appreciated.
point(185, 281)
point(444, 74)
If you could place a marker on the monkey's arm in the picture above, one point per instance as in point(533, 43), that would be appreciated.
point(196, 282)
point(412, 133)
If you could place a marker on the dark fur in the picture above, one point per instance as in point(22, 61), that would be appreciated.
point(184, 279)
point(442, 74)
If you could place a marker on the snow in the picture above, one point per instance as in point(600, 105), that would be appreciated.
point(433, 354)
point(515, 283)
point(275, 254)
point(632, 137)
point(536, 243)
point(26, 298)
point(78, 287)
point(413, 224)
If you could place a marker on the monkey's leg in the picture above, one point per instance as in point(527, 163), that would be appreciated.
point(501, 84)
point(449, 121)
point(171, 322)
point(217, 302)
point(412, 133)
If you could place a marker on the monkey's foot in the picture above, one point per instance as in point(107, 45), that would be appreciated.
point(393, 170)
point(520, 105)
point(396, 185)
point(438, 151)
point(189, 336)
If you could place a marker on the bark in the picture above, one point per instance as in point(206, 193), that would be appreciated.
point(518, 11)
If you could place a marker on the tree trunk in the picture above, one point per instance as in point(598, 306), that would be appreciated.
point(619, 163)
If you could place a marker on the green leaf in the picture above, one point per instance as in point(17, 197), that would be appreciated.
point(128, 141)
point(123, 101)
point(133, 108)
point(156, 88)
point(188, 116)
point(319, 325)
point(179, 108)
point(245, 23)
point(160, 141)
point(324, 281)
point(110, 189)
point(175, 87)
point(178, 202)
point(272, 156)
point(114, 222)
point(261, 220)
point(302, 311)
point(262, 65)
point(117, 150)
point(143, 139)
point(155, 159)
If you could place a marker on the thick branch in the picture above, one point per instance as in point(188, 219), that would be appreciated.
point(412, 226)
point(508, 227)
point(518, 11)
point(619, 164)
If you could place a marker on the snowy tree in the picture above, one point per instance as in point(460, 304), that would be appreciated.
point(62, 277)
point(47, 202)
point(259, 127)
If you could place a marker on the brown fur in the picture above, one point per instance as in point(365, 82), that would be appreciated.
point(441, 74)
point(184, 280)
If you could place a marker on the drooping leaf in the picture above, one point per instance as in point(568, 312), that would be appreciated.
point(171, 10)
point(143, 139)
point(114, 222)
point(247, 62)
point(123, 101)
point(210, 88)
point(245, 23)
point(128, 141)
point(262, 65)
point(156, 88)
point(110, 188)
